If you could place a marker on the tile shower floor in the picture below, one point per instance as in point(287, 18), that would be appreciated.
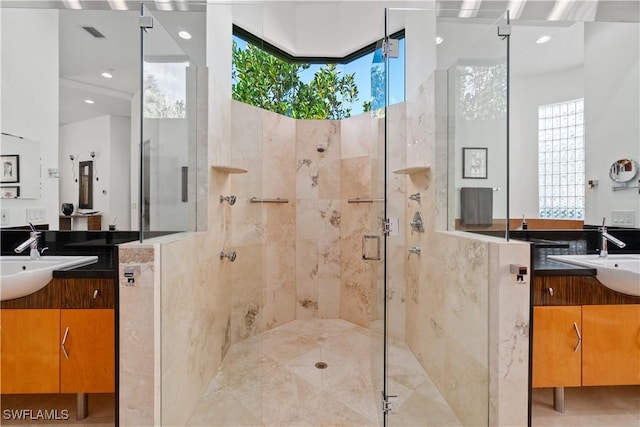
point(271, 380)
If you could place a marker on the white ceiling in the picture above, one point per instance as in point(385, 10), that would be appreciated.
point(330, 28)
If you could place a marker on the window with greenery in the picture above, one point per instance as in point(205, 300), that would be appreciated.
point(561, 177)
point(305, 90)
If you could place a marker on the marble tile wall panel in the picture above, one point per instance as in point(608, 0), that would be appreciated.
point(508, 335)
point(246, 279)
point(278, 156)
point(139, 361)
point(356, 273)
point(355, 178)
point(195, 319)
point(280, 283)
point(318, 218)
point(357, 136)
point(219, 42)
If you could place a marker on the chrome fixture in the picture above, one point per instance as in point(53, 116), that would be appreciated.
point(415, 250)
point(415, 197)
point(321, 148)
point(417, 224)
point(230, 255)
point(520, 271)
point(230, 199)
point(608, 237)
point(32, 242)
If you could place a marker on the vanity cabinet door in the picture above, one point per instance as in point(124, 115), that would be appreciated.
point(30, 359)
point(556, 346)
point(87, 358)
point(611, 352)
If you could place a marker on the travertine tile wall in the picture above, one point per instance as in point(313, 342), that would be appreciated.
point(318, 219)
point(139, 361)
point(303, 259)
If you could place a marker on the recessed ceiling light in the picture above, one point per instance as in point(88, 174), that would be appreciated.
point(107, 75)
point(439, 39)
point(543, 39)
point(89, 101)
point(184, 34)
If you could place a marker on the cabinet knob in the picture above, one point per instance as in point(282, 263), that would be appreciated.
point(96, 293)
point(550, 291)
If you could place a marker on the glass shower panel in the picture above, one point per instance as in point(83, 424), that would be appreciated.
point(477, 83)
point(455, 100)
point(169, 153)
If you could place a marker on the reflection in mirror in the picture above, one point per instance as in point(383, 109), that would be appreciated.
point(86, 185)
point(623, 170)
point(20, 174)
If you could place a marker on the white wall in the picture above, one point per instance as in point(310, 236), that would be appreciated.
point(29, 87)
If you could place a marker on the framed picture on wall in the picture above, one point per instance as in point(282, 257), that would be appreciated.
point(474, 163)
point(9, 192)
point(10, 168)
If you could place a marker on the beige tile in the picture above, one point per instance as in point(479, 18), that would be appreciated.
point(273, 381)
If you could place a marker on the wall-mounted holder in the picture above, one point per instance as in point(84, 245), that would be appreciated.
point(417, 224)
point(593, 183)
point(230, 255)
point(230, 199)
point(520, 271)
point(415, 197)
point(415, 250)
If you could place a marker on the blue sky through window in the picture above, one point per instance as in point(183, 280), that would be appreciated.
point(362, 67)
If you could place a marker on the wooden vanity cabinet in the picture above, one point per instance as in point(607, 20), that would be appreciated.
point(29, 359)
point(88, 365)
point(557, 360)
point(611, 353)
point(605, 322)
point(36, 357)
point(87, 358)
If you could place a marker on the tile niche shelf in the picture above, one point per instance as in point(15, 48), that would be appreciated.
point(228, 169)
point(412, 170)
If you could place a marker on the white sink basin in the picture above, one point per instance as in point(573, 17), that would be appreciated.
point(23, 276)
point(620, 273)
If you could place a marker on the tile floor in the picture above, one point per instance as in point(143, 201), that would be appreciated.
point(271, 380)
point(101, 409)
point(588, 407)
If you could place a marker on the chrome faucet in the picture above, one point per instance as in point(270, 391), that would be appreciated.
point(32, 242)
point(605, 236)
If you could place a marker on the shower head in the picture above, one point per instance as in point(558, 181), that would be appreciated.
point(321, 148)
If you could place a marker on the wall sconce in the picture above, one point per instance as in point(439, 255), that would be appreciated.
point(72, 158)
point(95, 164)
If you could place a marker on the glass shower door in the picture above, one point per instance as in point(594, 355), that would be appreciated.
point(435, 329)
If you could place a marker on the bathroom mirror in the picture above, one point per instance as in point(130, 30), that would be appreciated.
point(623, 170)
point(85, 200)
point(20, 167)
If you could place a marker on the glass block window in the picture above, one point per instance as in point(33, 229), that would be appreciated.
point(561, 177)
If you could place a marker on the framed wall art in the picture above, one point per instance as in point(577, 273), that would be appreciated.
point(474, 163)
point(10, 172)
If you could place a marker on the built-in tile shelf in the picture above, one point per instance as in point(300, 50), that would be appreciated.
point(412, 170)
point(229, 169)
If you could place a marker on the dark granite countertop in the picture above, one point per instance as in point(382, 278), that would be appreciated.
point(543, 266)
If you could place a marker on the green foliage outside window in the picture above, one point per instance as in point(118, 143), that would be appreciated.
point(267, 82)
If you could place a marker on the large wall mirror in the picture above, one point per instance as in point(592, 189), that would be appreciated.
point(89, 102)
point(20, 174)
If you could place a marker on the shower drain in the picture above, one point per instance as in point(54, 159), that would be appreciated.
point(321, 365)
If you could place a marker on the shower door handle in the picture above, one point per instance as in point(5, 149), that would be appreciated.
point(369, 253)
